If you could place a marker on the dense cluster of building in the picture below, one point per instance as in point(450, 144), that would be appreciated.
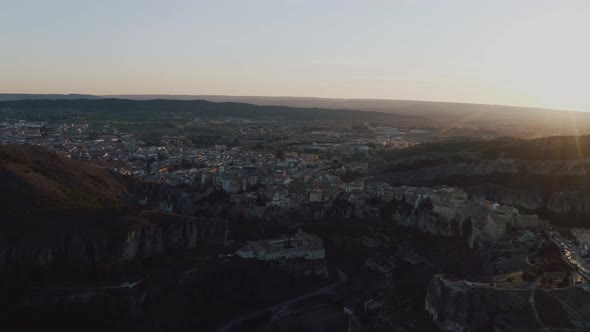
point(329, 167)
point(19, 131)
point(311, 169)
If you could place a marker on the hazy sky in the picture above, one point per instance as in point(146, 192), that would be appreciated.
point(518, 52)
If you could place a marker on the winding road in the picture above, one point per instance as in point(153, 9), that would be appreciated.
point(127, 284)
point(574, 260)
point(282, 309)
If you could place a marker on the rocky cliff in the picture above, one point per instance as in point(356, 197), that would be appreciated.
point(54, 210)
point(459, 306)
point(427, 222)
point(544, 187)
point(132, 238)
point(575, 204)
point(422, 218)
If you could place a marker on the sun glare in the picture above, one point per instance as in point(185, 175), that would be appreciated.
point(544, 61)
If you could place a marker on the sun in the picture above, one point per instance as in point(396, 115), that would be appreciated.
point(544, 61)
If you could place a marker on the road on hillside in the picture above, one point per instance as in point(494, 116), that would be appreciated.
point(570, 254)
point(282, 309)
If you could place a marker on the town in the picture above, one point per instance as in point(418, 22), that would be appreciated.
point(273, 185)
point(263, 171)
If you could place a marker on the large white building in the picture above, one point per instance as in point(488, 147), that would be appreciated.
point(301, 245)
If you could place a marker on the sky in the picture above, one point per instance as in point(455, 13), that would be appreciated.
point(512, 52)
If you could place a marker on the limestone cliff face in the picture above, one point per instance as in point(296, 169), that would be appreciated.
point(447, 304)
point(427, 222)
point(477, 237)
point(56, 210)
point(135, 241)
point(556, 182)
point(569, 202)
point(424, 220)
point(559, 202)
point(460, 306)
point(147, 240)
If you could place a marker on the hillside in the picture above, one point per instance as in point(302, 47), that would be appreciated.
point(545, 164)
point(35, 180)
point(554, 148)
point(53, 209)
point(23, 96)
point(136, 109)
point(546, 176)
point(508, 120)
point(54, 196)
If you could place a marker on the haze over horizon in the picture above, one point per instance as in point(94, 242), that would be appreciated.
point(529, 53)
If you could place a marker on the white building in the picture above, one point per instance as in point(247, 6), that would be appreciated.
point(302, 245)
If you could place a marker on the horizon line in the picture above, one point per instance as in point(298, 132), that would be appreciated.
point(294, 97)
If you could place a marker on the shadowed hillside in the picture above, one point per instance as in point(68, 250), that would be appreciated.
point(122, 108)
point(22, 96)
point(35, 180)
point(508, 120)
point(54, 195)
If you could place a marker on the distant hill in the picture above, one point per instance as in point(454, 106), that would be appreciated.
point(507, 120)
point(25, 96)
point(416, 107)
point(195, 108)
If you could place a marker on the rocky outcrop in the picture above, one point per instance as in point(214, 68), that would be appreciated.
point(423, 219)
point(128, 242)
point(573, 203)
point(542, 187)
point(569, 203)
point(460, 306)
point(147, 240)
point(427, 222)
point(55, 210)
